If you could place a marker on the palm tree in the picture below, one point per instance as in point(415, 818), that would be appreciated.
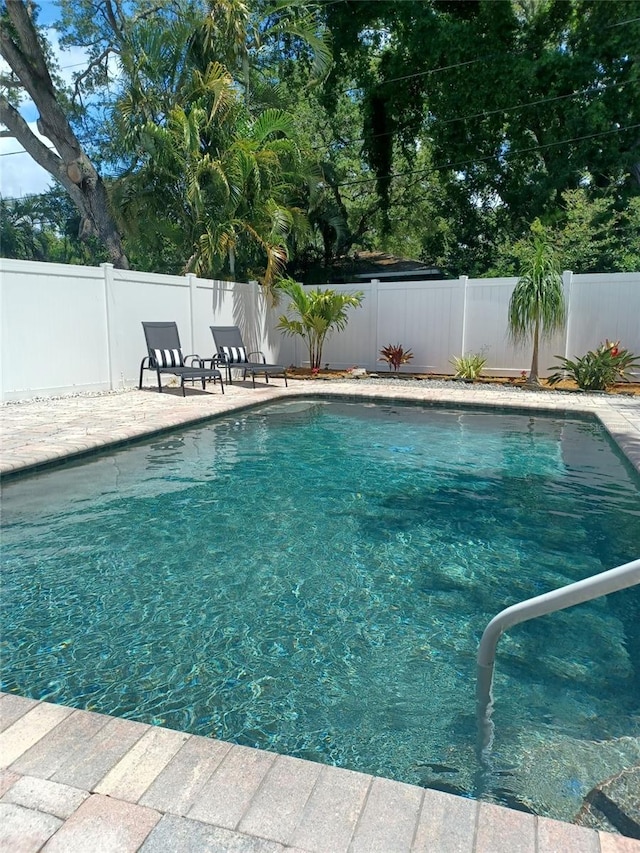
point(216, 183)
point(537, 306)
point(21, 230)
point(317, 313)
point(239, 34)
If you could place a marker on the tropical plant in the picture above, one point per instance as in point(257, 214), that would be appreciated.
point(217, 184)
point(469, 366)
point(597, 370)
point(20, 234)
point(395, 355)
point(537, 306)
point(316, 313)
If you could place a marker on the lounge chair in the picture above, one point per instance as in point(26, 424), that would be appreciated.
point(165, 356)
point(232, 353)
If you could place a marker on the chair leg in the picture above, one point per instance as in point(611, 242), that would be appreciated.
point(141, 369)
point(159, 382)
point(285, 379)
point(182, 383)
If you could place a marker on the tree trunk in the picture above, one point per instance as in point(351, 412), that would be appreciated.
point(533, 375)
point(68, 164)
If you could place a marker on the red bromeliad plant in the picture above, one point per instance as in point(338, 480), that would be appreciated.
point(598, 369)
point(395, 355)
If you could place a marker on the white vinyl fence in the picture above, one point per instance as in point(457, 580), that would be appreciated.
point(69, 328)
point(438, 320)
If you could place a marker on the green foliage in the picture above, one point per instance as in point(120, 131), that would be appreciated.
point(591, 234)
point(46, 227)
point(597, 370)
point(537, 306)
point(516, 103)
point(211, 176)
point(215, 182)
point(467, 119)
point(313, 314)
point(395, 355)
point(20, 234)
point(469, 366)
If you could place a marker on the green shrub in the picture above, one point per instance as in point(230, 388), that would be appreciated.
point(468, 366)
point(597, 370)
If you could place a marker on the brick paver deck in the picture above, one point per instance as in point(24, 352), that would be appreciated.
point(73, 781)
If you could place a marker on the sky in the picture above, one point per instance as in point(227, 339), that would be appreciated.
point(19, 174)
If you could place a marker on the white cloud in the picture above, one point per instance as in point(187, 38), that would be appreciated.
point(20, 175)
point(70, 61)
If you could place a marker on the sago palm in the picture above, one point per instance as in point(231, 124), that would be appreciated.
point(537, 306)
point(314, 314)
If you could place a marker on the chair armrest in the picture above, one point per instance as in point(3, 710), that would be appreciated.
point(257, 352)
point(196, 360)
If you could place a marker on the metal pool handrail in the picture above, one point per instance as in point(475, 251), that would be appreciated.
point(558, 599)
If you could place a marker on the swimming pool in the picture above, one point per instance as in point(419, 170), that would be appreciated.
point(314, 578)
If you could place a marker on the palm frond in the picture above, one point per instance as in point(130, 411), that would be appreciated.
point(537, 301)
point(270, 123)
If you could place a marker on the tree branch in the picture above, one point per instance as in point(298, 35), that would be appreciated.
point(20, 130)
point(20, 46)
point(79, 78)
point(30, 55)
point(10, 82)
point(53, 121)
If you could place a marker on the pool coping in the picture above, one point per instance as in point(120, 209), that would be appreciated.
point(73, 778)
point(74, 781)
point(27, 452)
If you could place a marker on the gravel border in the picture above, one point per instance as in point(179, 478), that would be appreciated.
point(461, 385)
point(71, 396)
point(379, 380)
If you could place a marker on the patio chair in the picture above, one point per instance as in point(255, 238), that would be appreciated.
point(232, 353)
point(165, 356)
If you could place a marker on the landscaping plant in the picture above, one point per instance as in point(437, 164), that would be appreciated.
point(315, 314)
point(395, 355)
point(537, 307)
point(469, 366)
point(597, 370)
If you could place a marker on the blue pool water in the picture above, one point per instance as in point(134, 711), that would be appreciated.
point(313, 578)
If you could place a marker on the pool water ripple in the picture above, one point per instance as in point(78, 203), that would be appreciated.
point(313, 578)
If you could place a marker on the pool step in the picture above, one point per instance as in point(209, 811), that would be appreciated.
point(614, 804)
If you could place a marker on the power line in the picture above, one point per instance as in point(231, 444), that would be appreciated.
point(622, 23)
point(454, 165)
point(424, 73)
point(466, 163)
point(501, 110)
point(12, 153)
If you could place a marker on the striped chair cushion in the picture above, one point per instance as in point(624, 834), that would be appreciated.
point(234, 355)
point(168, 357)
